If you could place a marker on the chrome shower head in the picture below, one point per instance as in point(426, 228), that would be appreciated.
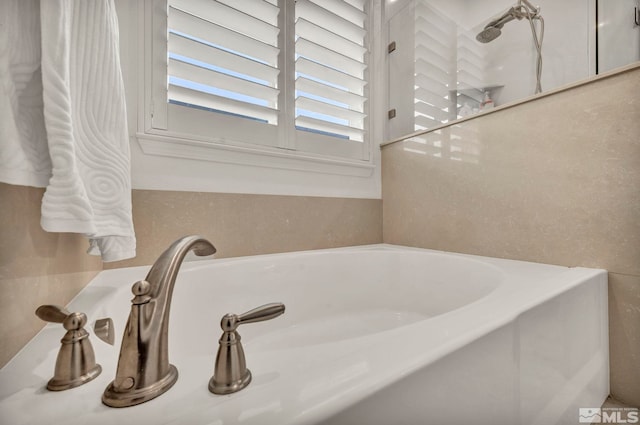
point(492, 30)
point(488, 34)
point(523, 9)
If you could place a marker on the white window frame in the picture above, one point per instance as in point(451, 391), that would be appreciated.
point(157, 137)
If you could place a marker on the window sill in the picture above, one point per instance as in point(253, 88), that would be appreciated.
point(168, 145)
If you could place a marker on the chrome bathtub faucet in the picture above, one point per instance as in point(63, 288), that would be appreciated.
point(144, 371)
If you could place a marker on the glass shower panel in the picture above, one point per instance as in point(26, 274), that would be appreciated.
point(436, 67)
point(618, 33)
point(441, 69)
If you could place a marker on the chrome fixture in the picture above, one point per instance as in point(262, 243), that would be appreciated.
point(493, 29)
point(230, 372)
point(76, 362)
point(522, 10)
point(144, 371)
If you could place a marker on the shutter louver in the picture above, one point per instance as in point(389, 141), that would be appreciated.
point(435, 68)
point(223, 56)
point(331, 63)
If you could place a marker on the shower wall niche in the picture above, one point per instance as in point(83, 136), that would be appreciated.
point(439, 72)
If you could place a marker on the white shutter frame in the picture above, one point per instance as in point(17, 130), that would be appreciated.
point(155, 114)
point(217, 58)
point(162, 119)
point(331, 69)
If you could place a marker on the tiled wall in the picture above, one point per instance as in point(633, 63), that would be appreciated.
point(239, 224)
point(37, 267)
point(554, 180)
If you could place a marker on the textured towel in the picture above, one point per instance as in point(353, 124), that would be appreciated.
point(24, 155)
point(89, 189)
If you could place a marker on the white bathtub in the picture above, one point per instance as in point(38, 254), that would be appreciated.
point(371, 335)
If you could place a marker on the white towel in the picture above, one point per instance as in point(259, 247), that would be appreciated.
point(24, 155)
point(89, 189)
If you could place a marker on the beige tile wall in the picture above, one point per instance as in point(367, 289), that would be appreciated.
point(239, 224)
point(38, 267)
point(554, 180)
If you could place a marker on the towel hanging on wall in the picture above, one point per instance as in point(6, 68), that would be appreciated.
point(24, 156)
point(89, 187)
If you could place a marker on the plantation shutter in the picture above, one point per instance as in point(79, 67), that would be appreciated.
point(435, 68)
point(330, 69)
point(223, 57)
point(286, 74)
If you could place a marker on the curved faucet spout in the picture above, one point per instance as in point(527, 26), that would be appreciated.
point(143, 370)
point(164, 271)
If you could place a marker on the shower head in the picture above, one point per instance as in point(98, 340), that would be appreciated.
point(493, 29)
point(488, 34)
point(523, 9)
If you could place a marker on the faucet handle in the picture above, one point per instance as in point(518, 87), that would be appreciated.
point(76, 363)
point(230, 372)
point(269, 311)
point(52, 313)
point(57, 314)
